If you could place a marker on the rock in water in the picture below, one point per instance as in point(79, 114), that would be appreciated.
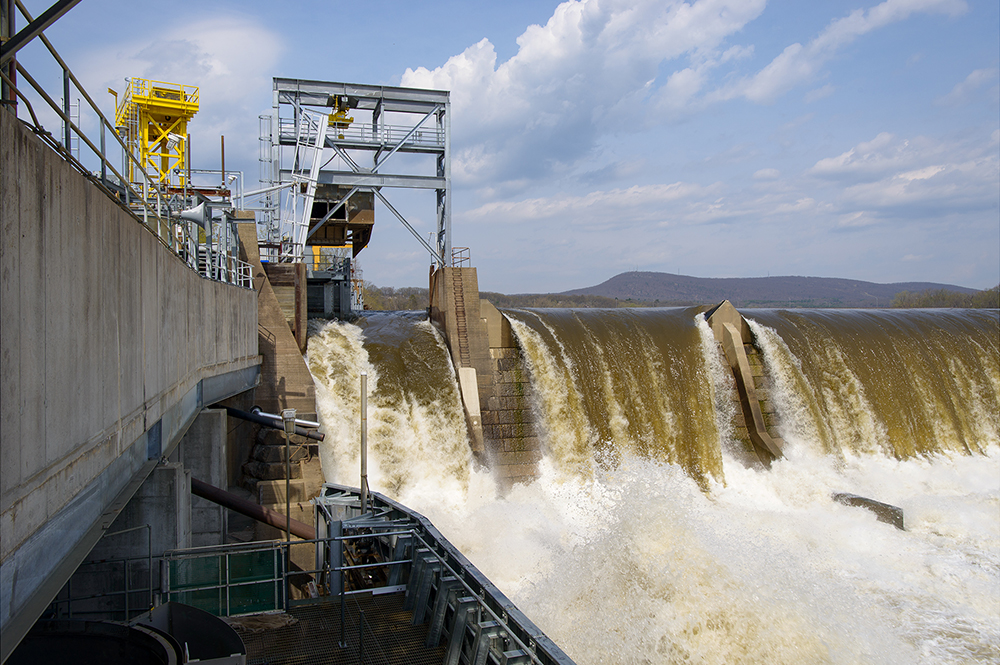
point(883, 511)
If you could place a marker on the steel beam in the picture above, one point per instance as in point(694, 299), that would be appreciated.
point(389, 98)
point(403, 140)
point(434, 253)
point(372, 180)
point(35, 28)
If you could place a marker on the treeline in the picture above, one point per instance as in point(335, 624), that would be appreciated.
point(989, 298)
point(386, 298)
point(542, 300)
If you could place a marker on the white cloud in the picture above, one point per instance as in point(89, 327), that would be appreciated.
point(916, 178)
point(855, 220)
point(802, 205)
point(963, 92)
point(950, 187)
point(819, 93)
point(598, 66)
point(589, 67)
point(767, 174)
point(635, 204)
point(867, 159)
point(230, 58)
point(799, 64)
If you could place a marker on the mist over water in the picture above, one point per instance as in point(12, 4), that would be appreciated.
point(646, 541)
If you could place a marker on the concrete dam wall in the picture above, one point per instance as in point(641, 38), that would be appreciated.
point(110, 347)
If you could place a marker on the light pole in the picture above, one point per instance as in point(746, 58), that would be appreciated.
point(364, 441)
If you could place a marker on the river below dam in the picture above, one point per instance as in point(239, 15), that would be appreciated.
point(649, 537)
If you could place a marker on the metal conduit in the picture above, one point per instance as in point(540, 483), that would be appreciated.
point(272, 421)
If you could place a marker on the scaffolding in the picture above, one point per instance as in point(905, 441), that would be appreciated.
point(152, 119)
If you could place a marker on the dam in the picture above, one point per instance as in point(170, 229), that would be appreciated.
point(653, 533)
point(547, 486)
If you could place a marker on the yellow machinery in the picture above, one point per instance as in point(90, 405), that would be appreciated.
point(153, 118)
point(339, 119)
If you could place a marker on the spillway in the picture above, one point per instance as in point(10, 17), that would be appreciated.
point(647, 538)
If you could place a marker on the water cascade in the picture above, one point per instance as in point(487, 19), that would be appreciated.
point(648, 539)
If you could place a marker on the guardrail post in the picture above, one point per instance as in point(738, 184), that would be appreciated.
point(68, 133)
point(343, 584)
point(104, 157)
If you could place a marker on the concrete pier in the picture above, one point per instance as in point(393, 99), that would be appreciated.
point(494, 382)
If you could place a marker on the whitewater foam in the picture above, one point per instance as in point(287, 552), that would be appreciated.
point(636, 562)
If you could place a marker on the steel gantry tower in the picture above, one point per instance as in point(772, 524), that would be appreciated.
point(153, 118)
point(364, 131)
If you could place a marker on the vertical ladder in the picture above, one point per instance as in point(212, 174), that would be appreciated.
point(462, 324)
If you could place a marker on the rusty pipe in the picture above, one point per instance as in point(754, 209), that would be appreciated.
point(251, 509)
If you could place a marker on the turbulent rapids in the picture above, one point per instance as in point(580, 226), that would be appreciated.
point(648, 538)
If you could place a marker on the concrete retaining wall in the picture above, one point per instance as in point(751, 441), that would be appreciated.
point(109, 346)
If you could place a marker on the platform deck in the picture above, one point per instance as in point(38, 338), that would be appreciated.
point(311, 634)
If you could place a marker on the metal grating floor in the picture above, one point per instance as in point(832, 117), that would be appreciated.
point(314, 637)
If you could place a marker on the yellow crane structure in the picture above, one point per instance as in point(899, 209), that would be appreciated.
point(152, 119)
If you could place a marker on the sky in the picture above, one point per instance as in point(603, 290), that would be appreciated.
point(714, 138)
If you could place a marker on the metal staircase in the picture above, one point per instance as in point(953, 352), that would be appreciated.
point(309, 143)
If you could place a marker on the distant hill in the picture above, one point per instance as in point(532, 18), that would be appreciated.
point(669, 289)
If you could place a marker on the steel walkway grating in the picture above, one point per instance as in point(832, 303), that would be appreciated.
point(314, 637)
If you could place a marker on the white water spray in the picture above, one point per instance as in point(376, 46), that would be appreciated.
point(634, 563)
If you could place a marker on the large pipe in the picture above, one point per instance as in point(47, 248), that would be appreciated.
point(274, 422)
point(251, 509)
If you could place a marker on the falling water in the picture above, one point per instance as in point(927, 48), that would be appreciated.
point(890, 382)
point(645, 541)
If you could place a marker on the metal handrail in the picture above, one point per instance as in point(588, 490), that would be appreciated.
point(67, 72)
point(152, 214)
point(366, 132)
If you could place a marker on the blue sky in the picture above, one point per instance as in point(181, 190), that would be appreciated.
point(714, 138)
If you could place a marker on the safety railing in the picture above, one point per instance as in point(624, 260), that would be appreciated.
point(144, 200)
point(231, 580)
point(133, 596)
point(370, 134)
point(383, 548)
point(461, 257)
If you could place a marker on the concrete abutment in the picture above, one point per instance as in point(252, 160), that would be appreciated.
point(493, 379)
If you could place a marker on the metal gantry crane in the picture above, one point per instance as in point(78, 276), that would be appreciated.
point(333, 206)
